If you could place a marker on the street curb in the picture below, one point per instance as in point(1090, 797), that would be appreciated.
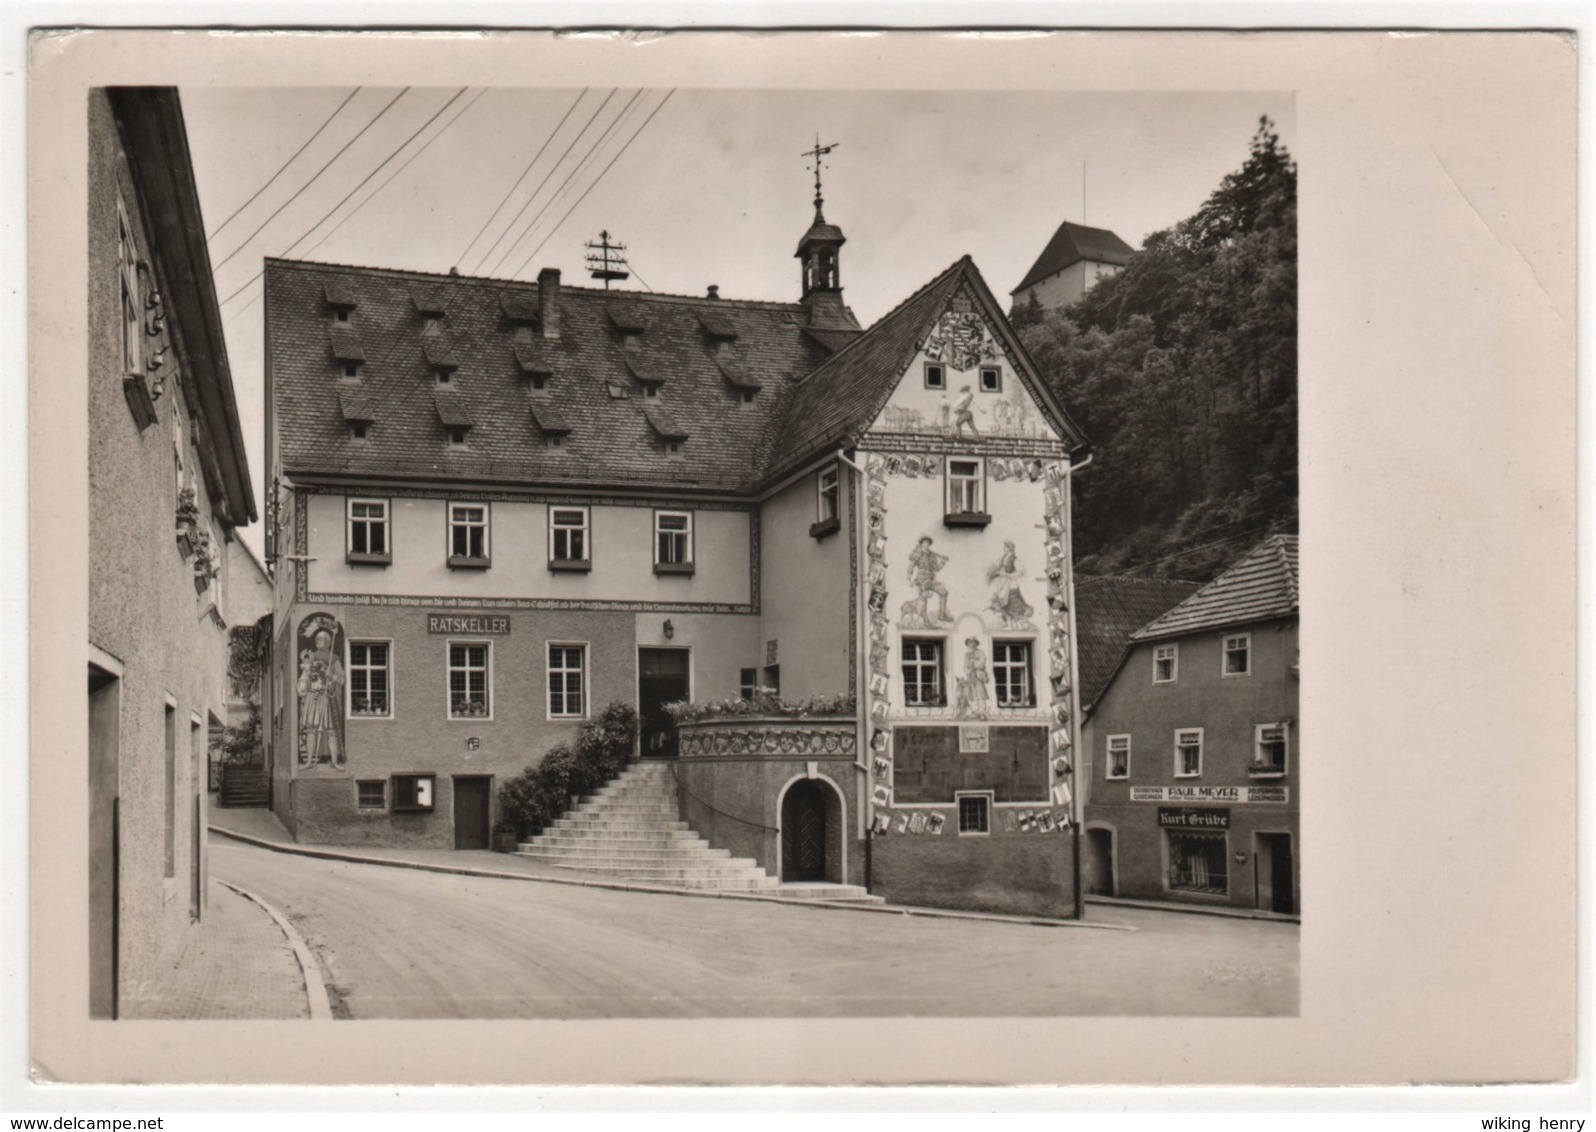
point(315, 981)
point(1193, 909)
point(626, 886)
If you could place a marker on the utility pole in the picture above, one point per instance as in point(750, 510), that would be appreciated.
point(604, 260)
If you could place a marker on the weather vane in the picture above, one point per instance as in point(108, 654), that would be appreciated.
point(816, 154)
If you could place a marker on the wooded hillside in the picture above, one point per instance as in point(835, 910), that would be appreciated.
point(1182, 369)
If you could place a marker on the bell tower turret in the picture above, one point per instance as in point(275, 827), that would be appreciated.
point(819, 252)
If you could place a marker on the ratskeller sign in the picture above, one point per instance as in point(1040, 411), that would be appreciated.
point(479, 623)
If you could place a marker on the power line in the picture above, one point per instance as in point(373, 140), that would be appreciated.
point(522, 177)
point(308, 183)
point(218, 230)
point(527, 203)
point(596, 180)
point(396, 172)
point(570, 180)
point(633, 268)
point(397, 150)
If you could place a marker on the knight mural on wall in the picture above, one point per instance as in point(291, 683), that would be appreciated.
point(320, 647)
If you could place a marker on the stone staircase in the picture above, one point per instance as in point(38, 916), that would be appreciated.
point(631, 829)
point(244, 787)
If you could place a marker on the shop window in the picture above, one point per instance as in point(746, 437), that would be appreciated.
point(1189, 752)
point(936, 375)
point(469, 681)
point(673, 542)
point(991, 379)
point(568, 538)
point(369, 678)
point(747, 682)
point(1238, 655)
point(1118, 761)
point(567, 681)
point(1269, 749)
point(975, 812)
point(468, 535)
point(1165, 661)
point(1011, 672)
point(966, 494)
point(413, 792)
point(922, 673)
point(1198, 861)
point(372, 794)
point(828, 512)
point(367, 527)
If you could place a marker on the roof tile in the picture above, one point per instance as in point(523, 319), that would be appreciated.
point(1261, 586)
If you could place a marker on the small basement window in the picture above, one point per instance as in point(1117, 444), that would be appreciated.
point(975, 812)
point(372, 794)
point(413, 792)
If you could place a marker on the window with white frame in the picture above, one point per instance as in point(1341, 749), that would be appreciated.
point(826, 495)
point(1189, 752)
point(567, 683)
point(965, 484)
point(1269, 749)
point(1118, 761)
point(922, 673)
point(673, 538)
point(469, 681)
point(568, 535)
point(1166, 659)
point(1011, 673)
point(369, 680)
point(975, 812)
point(368, 529)
point(1238, 655)
point(468, 532)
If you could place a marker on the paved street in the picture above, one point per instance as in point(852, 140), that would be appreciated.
point(396, 943)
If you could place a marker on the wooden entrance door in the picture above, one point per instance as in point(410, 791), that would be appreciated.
point(1100, 862)
point(661, 679)
point(1273, 872)
point(105, 898)
point(803, 832)
point(471, 812)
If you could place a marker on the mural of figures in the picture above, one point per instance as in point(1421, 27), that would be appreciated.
point(972, 698)
point(320, 687)
point(1007, 601)
point(962, 415)
point(924, 564)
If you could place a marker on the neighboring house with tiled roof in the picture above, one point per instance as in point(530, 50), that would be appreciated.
point(1193, 747)
point(1071, 263)
point(508, 503)
point(1108, 609)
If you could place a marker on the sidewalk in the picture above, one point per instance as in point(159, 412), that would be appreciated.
point(1192, 909)
point(261, 828)
point(234, 964)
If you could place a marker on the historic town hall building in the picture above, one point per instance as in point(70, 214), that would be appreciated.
point(498, 506)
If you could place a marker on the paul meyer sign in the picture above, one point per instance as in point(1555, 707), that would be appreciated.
point(1239, 795)
point(479, 623)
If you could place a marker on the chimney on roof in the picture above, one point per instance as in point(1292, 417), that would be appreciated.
point(549, 301)
point(714, 291)
point(454, 271)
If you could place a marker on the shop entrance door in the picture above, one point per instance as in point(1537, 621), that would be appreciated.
point(661, 679)
point(471, 812)
point(1100, 862)
point(1273, 872)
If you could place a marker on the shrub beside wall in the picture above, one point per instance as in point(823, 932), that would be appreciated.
point(531, 800)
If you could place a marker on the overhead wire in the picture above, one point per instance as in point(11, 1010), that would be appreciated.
point(390, 178)
point(217, 231)
point(525, 204)
point(571, 179)
point(397, 150)
point(511, 190)
point(596, 181)
point(341, 151)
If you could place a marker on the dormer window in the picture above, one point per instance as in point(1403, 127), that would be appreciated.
point(651, 391)
point(748, 396)
point(358, 429)
point(432, 325)
point(445, 377)
point(430, 308)
point(341, 300)
point(457, 437)
point(341, 314)
point(352, 370)
point(440, 356)
point(538, 380)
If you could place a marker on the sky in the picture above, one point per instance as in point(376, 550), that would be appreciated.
point(701, 186)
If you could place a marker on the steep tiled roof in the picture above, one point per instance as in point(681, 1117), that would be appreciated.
point(1260, 586)
point(1107, 611)
point(663, 423)
point(548, 417)
point(346, 345)
point(611, 441)
point(356, 406)
point(1073, 243)
point(440, 354)
point(452, 410)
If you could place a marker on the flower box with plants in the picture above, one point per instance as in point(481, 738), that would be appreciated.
point(531, 800)
point(206, 564)
point(187, 521)
point(764, 703)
